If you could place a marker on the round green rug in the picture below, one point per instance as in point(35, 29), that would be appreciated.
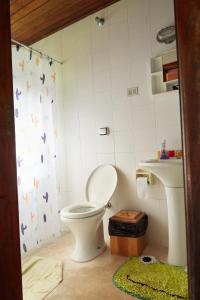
point(156, 281)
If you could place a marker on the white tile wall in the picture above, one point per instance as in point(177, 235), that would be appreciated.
point(99, 65)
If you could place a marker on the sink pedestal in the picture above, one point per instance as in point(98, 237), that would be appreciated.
point(170, 172)
point(176, 226)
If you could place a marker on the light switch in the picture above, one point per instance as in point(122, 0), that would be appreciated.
point(133, 91)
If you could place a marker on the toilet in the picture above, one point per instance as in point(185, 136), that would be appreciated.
point(84, 219)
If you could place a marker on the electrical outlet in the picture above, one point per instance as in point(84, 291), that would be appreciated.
point(133, 91)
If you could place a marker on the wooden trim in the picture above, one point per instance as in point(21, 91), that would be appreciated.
point(10, 260)
point(33, 20)
point(188, 38)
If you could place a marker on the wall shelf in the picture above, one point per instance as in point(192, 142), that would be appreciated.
point(173, 92)
point(157, 73)
point(158, 84)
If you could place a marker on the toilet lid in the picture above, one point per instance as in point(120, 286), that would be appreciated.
point(101, 184)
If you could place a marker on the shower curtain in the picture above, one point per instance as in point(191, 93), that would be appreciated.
point(34, 86)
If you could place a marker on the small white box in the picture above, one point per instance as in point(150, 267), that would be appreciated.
point(104, 131)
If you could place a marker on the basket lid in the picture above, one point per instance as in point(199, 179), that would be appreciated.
point(129, 216)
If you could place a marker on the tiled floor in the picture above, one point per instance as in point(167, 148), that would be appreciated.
point(86, 281)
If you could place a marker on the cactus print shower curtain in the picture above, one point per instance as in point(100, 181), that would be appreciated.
point(34, 86)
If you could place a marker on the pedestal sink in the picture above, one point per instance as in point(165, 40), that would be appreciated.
point(170, 172)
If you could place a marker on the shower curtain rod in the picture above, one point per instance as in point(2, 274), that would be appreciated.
point(37, 51)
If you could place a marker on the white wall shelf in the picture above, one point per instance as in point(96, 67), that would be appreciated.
point(157, 73)
point(173, 92)
point(158, 84)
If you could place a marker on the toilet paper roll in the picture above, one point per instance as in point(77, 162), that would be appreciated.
point(142, 188)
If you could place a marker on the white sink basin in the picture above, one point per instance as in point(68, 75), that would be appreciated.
point(169, 171)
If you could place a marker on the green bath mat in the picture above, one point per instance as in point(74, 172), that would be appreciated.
point(155, 281)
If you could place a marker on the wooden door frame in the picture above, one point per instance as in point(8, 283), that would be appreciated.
point(187, 14)
point(188, 40)
point(10, 260)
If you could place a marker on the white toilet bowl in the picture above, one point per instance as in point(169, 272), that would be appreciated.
point(84, 219)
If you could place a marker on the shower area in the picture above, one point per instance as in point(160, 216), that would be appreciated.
point(37, 127)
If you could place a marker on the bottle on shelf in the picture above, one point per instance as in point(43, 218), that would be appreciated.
point(163, 152)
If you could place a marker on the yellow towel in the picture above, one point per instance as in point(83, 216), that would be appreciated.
point(40, 276)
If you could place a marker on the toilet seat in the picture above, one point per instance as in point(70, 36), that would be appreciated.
point(101, 184)
point(82, 210)
point(100, 187)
